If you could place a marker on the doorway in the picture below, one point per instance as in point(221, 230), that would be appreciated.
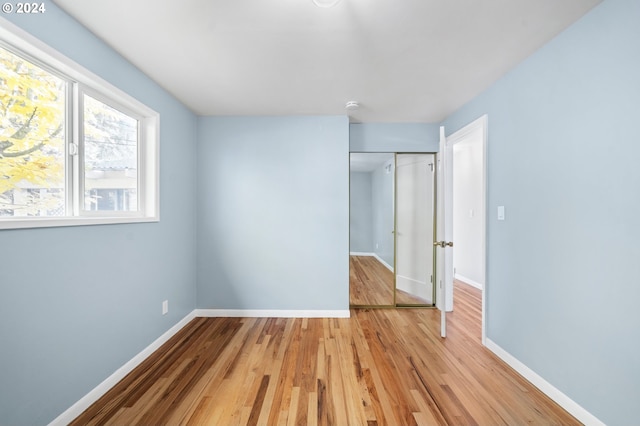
point(467, 189)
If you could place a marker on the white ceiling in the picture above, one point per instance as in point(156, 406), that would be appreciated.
point(403, 60)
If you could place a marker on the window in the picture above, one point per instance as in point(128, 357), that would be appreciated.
point(110, 157)
point(32, 139)
point(74, 150)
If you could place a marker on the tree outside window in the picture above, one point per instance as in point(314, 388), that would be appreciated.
point(32, 139)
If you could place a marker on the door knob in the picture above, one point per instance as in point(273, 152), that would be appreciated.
point(443, 244)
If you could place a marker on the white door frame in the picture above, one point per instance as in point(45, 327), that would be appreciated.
point(444, 265)
point(480, 123)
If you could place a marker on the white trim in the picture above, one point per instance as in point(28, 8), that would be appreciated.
point(480, 123)
point(469, 281)
point(460, 135)
point(85, 402)
point(547, 388)
point(76, 75)
point(52, 222)
point(386, 265)
point(33, 46)
point(271, 313)
point(378, 258)
point(414, 287)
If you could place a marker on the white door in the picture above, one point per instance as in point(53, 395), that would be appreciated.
point(444, 232)
point(414, 229)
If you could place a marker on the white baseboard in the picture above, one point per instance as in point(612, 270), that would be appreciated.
point(79, 407)
point(378, 258)
point(547, 388)
point(469, 281)
point(85, 402)
point(389, 267)
point(271, 313)
point(414, 287)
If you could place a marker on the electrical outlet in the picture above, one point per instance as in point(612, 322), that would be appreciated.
point(165, 307)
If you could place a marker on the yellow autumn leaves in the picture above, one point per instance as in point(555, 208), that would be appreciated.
point(32, 107)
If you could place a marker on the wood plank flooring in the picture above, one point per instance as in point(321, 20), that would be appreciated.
point(371, 284)
point(379, 367)
point(405, 298)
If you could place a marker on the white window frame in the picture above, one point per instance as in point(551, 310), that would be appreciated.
point(82, 81)
point(78, 206)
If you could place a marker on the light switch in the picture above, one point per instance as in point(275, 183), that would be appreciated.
point(500, 212)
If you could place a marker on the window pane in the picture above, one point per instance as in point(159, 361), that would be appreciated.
point(110, 158)
point(32, 139)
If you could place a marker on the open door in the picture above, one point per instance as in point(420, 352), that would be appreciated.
point(444, 232)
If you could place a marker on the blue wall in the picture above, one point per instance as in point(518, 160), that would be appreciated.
point(561, 290)
point(273, 213)
point(383, 187)
point(360, 212)
point(394, 137)
point(563, 158)
point(76, 303)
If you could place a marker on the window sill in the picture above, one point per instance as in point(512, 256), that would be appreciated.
point(29, 223)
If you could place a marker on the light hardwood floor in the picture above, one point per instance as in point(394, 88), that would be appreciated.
point(371, 284)
point(379, 367)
